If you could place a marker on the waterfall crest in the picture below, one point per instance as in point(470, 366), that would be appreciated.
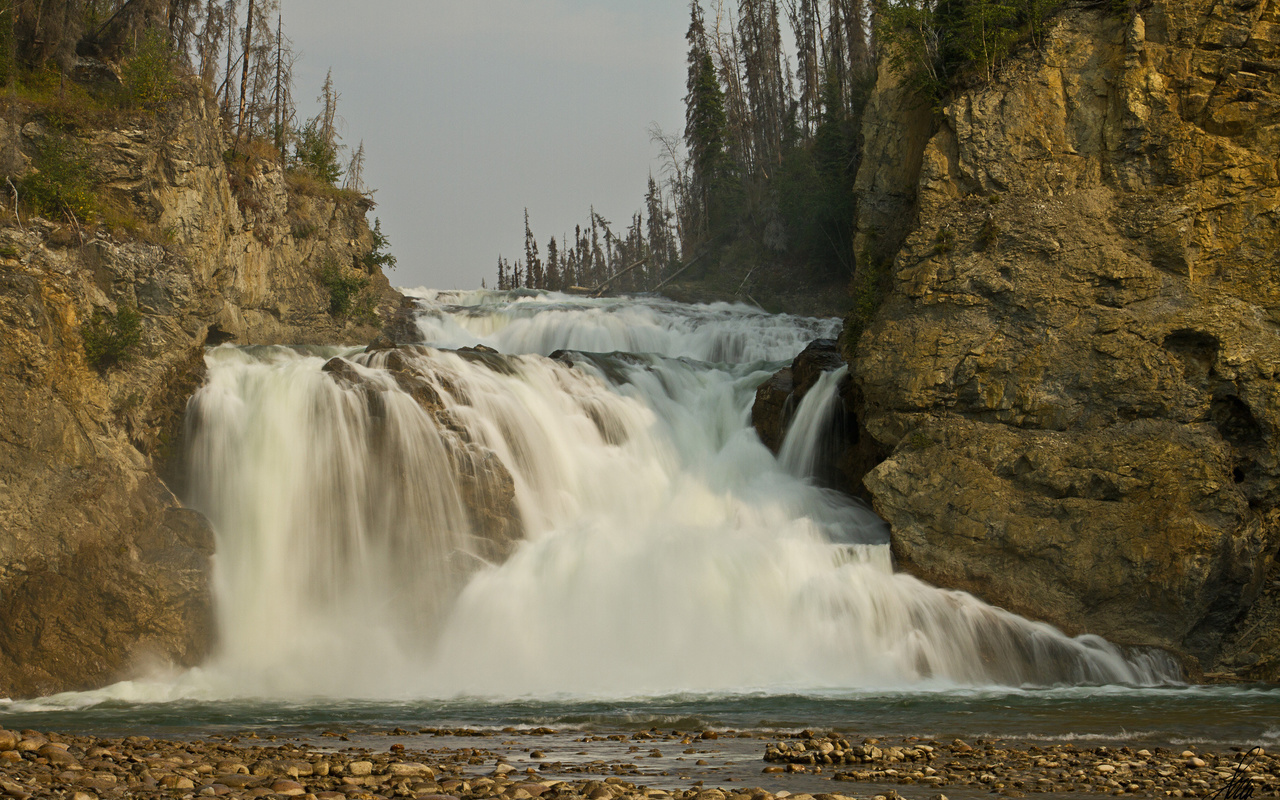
point(664, 548)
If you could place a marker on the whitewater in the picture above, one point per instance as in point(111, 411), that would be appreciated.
point(665, 549)
point(669, 567)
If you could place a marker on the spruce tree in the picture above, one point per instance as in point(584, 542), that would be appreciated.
point(705, 128)
point(532, 263)
point(552, 268)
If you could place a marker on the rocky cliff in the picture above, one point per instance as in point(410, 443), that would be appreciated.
point(101, 569)
point(1075, 368)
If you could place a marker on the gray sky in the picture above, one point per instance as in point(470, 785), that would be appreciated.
point(471, 110)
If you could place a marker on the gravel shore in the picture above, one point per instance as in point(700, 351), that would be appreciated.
point(75, 767)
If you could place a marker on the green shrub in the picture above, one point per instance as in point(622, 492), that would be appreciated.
point(149, 78)
point(316, 155)
point(62, 183)
point(379, 256)
point(869, 288)
point(944, 241)
point(111, 339)
point(988, 234)
point(349, 294)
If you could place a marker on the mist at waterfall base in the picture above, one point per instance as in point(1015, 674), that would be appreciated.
point(673, 572)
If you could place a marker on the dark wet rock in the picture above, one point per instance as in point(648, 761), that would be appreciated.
point(487, 356)
point(778, 397)
point(487, 487)
point(344, 372)
point(848, 452)
point(771, 412)
point(382, 342)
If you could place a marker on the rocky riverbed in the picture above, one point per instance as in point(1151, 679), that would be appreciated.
point(478, 765)
point(1012, 770)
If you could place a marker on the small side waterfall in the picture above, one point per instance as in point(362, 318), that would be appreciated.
point(809, 429)
point(665, 549)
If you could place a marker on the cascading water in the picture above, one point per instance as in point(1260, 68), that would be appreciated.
point(665, 549)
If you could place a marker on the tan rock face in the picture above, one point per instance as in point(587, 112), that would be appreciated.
point(101, 570)
point(1078, 361)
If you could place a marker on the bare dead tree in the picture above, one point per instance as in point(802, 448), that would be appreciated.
point(355, 171)
point(229, 14)
point(244, 67)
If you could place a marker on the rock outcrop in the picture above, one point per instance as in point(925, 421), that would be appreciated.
point(101, 569)
point(851, 452)
point(488, 492)
point(1077, 363)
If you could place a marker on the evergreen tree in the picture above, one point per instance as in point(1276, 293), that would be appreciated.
point(317, 148)
point(766, 80)
point(705, 130)
point(553, 275)
point(532, 263)
point(659, 233)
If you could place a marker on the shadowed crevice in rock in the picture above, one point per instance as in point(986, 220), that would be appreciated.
point(1198, 352)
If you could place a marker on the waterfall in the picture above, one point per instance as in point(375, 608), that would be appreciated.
point(663, 548)
point(810, 425)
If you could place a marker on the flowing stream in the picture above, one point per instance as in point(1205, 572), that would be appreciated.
point(666, 558)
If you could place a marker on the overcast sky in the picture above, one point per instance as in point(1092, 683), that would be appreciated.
point(471, 110)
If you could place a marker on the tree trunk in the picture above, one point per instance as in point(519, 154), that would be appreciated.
point(244, 68)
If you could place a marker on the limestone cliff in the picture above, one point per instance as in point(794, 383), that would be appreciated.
point(101, 570)
point(1076, 364)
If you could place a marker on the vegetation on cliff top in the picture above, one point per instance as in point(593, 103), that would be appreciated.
point(80, 66)
point(935, 43)
point(76, 69)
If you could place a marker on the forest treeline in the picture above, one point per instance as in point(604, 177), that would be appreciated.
point(52, 53)
point(763, 174)
point(763, 170)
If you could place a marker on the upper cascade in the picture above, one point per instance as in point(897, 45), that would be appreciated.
point(524, 321)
